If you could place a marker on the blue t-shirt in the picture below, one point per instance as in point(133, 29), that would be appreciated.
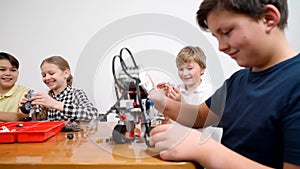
point(260, 113)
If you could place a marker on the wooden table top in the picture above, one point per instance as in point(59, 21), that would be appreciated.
point(87, 149)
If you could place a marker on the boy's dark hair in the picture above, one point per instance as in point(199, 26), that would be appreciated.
point(13, 61)
point(251, 8)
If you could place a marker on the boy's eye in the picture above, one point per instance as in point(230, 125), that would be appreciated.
point(11, 69)
point(227, 32)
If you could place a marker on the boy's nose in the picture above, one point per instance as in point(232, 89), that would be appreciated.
point(223, 46)
point(7, 72)
point(185, 71)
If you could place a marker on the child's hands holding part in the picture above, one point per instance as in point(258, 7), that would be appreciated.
point(45, 100)
point(171, 91)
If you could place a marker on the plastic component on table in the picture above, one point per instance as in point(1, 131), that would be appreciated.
point(26, 132)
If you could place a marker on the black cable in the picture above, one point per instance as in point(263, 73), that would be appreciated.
point(114, 72)
point(121, 54)
point(123, 65)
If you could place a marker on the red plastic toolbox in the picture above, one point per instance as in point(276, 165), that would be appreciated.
point(24, 132)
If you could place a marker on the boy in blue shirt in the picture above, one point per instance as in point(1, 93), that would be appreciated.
point(258, 107)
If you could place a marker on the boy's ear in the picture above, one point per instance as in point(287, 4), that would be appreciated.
point(202, 71)
point(271, 17)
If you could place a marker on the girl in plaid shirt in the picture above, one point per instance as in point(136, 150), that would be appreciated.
point(62, 101)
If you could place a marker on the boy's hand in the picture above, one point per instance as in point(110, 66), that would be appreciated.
point(175, 142)
point(23, 101)
point(171, 91)
point(174, 93)
point(160, 100)
point(164, 86)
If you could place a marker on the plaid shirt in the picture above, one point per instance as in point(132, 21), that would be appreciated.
point(76, 106)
